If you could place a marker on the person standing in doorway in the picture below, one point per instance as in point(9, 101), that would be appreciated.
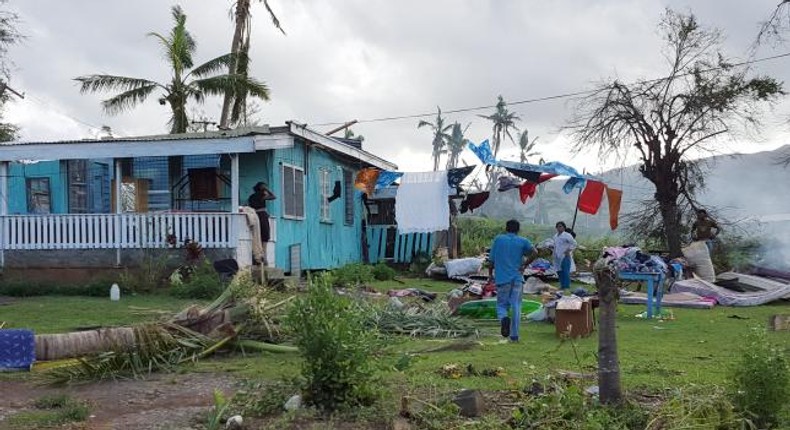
point(564, 244)
point(703, 227)
point(257, 201)
point(507, 264)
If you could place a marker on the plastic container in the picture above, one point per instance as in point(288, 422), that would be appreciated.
point(115, 293)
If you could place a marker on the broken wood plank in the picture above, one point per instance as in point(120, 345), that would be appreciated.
point(779, 322)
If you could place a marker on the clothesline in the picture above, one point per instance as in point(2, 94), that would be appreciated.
point(592, 188)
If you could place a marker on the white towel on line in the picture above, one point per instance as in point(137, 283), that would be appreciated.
point(421, 204)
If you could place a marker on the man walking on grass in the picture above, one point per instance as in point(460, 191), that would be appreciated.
point(507, 264)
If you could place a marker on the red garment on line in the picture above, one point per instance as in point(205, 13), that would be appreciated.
point(614, 197)
point(528, 189)
point(591, 197)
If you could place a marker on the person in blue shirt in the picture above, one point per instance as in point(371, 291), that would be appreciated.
point(507, 264)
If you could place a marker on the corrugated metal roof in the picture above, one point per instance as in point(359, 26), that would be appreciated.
point(237, 132)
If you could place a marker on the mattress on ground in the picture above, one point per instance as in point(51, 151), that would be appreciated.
point(675, 300)
point(728, 297)
point(17, 349)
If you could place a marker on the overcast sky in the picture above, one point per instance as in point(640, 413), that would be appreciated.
point(364, 59)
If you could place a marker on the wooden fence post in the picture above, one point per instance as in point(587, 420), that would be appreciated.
point(608, 360)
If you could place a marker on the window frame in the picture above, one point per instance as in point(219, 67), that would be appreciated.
point(29, 194)
point(349, 212)
point(325, 210)
point(286, 195)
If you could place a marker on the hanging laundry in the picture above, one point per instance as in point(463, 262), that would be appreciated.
point(336, 192)
point(366, 180)
point(506, 183)
point(386, 178)
point(591, 197)
point(483, 152)
point(559, 169)
point(527, 190)
point(456, 176)
point(614, 197)
point(474, 201)
point(525, 174)
point(572, 183)
point(421, 203)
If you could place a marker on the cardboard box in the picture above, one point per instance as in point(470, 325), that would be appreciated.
point(574, 318)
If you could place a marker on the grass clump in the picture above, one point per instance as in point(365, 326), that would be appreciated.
point(760, 387)
point(382, 272)
point(202, 282)
point(50, 411)
point(336, 346)
point(352, 275)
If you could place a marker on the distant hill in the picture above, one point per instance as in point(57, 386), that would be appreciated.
point(741, 186)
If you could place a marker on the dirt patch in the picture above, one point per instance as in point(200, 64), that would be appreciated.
point(5, 300)
point(165, 401)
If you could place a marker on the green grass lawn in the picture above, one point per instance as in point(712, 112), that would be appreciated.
point(57, 314)
point(696, 347)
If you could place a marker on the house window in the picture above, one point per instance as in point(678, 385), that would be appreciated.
point(326, 216)
point(38, 196)
point(348, 186)
point(293, 192)
point(78, 186)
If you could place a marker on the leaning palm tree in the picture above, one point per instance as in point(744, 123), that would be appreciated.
point(440, 136)
point(456, 145)
point(504, 123)
point(187, 82)
point(234, 105)
point(526, 147)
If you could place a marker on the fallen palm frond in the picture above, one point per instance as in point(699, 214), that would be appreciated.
point(243, 310)
point(156, 347)
point(419, 321)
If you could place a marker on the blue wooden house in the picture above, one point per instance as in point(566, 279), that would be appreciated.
point(126, 194)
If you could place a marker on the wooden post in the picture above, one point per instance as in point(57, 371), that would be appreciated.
point(234, 183)
point(608, 360)
point(118, 210)
point(3, 209)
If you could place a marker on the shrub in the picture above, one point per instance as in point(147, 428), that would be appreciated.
point(760, 387)
point(150, 275)
point(25, 289)
point(335, 346)
point(382, 272)
point(352, 275)
point(202, 283)
point(695, 407)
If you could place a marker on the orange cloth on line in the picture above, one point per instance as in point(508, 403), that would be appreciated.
point(614, 197)
point(366, 180)
point(591, 196)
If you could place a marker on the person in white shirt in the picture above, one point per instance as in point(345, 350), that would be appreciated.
point(564, 244)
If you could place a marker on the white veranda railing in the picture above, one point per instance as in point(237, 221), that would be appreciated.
point(130, 230)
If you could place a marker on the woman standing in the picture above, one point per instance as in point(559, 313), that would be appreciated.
point(257, 201)
point(564, 244)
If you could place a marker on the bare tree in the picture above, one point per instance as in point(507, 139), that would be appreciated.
point(703, 99)
point(610, 391)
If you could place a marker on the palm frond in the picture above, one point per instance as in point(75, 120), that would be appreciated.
point(419, 321)
point(424, 123)
point(213, 66)
point(274, 18)
point(219, 85)
point(98, 83)
point(127, 99)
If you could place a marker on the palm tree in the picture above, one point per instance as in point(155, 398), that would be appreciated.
point(456, 145)
point(504, 123)
point(440, 136)
point(187, 82)
point(526, 147)
point(234, 105)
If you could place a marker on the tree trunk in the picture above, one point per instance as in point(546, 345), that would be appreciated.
point(81, 343)
point(608, 361)
point(670, 214)
point(242, 16)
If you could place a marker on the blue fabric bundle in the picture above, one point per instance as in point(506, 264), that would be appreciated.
point(17, 349)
